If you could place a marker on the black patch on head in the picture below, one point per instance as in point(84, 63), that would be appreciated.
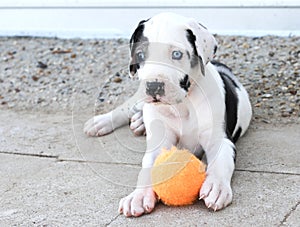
point(202, 66)
point(192, 39)
point(133, 68)
point(231, 102)
point(185, 83)
point(138, 33)
point(188, 54)
point(195, 57)
point(135, 40)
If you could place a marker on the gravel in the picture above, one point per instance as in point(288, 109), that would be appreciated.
point(63, 75)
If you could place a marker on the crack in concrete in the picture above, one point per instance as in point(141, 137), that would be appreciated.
point(284, 220)
point(30, 154)
point(11, 187)
point(58, 159)
point(112, 220)
point(267, 172)
point(97, 162)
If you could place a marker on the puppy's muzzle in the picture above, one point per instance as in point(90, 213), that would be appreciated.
point(155, 89)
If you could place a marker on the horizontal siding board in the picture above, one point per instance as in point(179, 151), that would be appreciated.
point(104, 21)
point(148, 3)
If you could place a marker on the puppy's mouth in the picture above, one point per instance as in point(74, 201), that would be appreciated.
point(155, 99)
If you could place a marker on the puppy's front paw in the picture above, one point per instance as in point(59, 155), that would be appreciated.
point(216, 193)
point(140, 201)
point(137, 124)
point(99, 125)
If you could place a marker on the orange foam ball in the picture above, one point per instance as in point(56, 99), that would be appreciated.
point(177, 176)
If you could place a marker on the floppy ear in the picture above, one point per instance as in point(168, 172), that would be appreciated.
point(205, 43)
point(135, 40)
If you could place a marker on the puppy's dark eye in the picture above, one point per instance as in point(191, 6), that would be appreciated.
point(176, 55)
point(140, 56)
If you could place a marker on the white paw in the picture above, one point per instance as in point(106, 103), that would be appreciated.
point(216, 192)
point(137, 124)
point(140, 201)
point(99, 125)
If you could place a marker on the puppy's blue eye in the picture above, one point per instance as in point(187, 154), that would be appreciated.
point(140, 56)
point(176, 55)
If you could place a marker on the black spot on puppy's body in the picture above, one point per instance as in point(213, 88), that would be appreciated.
point(237, 135)
point(219, 64)
point(185, 83)
point(219, 67)
point(231, 102)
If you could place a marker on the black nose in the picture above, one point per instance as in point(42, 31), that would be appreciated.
point(155, 88)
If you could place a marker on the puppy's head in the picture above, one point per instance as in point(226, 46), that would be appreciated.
point(168, 54)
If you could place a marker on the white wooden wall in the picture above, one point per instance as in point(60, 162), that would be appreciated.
point(117, 18)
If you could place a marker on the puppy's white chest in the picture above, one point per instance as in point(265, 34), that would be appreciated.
point(179, 120)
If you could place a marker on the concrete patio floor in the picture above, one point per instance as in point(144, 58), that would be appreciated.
point(51, 174)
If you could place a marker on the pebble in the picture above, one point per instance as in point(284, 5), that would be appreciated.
point(50, 74)
point(117, 80)
point(267, 95)
point(271, 53)
point(42, 65)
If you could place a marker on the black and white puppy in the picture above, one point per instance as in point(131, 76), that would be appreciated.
point(184, 99)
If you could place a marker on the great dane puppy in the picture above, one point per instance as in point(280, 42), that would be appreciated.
point(184, 99)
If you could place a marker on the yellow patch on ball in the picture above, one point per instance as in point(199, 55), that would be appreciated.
point(177, 176)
